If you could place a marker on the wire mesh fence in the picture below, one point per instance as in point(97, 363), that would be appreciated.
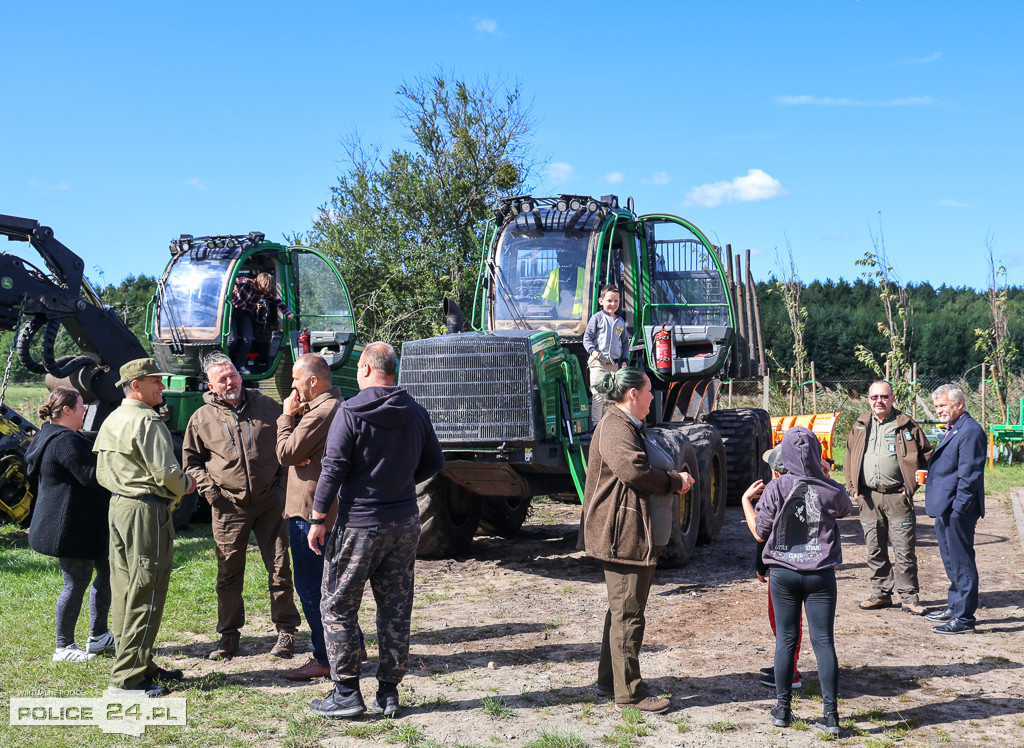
point(848, 397)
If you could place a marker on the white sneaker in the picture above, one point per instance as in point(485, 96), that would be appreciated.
point(244, 371)
point(71, 653)
point(100, 643)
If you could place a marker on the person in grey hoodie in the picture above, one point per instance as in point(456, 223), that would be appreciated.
point(796, 518)
point(380, 445)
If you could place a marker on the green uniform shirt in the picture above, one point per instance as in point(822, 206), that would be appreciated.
point(880, 470)
point(135, 455)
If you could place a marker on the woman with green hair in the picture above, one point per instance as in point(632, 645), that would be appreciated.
point(626, 522)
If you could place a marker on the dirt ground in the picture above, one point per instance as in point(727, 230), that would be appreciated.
point(519, 620)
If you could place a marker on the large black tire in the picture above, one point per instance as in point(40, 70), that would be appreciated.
point(685, 511)
point(449, 515)
point(746, 438)
point(503, 515)
point(711, 482)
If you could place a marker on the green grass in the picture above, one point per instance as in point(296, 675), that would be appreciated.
point(496, 708)
point(223, 707)
point(557, 739)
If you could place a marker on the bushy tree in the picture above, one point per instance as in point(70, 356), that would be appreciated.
point(404, 226)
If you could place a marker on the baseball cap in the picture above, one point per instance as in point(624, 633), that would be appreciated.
point(139, 369)
point(774, 459)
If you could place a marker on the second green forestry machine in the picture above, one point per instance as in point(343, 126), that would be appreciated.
point(510, 401)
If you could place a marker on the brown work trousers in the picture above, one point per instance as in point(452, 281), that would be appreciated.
point(231, 527)
point(619, 666)
point(889, 517)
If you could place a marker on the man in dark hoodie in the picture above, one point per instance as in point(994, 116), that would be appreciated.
point(380, 445)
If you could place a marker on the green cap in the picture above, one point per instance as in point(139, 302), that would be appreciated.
point(140, 368)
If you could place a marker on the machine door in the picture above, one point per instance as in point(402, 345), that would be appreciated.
point(322, 306)
point(686, 293)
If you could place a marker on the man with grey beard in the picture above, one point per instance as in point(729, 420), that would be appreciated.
point(230, 450)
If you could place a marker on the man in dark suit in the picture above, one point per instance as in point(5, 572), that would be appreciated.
point(955, 497)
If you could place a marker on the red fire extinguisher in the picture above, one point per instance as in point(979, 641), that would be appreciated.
point(304, 342)
point(663, 350)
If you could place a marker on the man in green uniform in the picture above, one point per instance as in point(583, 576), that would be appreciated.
point(135, 461)
point(884, 451)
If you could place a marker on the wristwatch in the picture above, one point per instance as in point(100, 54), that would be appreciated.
point(313, 521)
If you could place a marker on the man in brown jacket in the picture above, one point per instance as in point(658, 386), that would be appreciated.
point(300, 448)
point(883, 453)
point(229, 450)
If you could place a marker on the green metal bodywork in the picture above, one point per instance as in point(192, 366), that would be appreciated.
point(560, 380)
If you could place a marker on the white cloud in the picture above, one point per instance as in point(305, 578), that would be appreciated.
point(659, 177)
point(197, 184)
point(558, 172)
point(756, 185)
point(831, 101)
point(614, 177)
point(485, 25)
point(953, 204)
point(46, 189)
point(920, 61)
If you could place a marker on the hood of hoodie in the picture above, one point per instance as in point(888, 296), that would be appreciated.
point(37, 448)
point(383, 407)
point(800, 451)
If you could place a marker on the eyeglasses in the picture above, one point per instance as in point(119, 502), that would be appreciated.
point(872, 398)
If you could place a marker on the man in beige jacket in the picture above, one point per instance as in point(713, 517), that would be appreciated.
point(301, 436)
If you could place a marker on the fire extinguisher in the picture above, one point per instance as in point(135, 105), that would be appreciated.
point(663, 350)
point(304, 342)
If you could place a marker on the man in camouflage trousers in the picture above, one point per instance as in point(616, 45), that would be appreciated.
point(380, 445)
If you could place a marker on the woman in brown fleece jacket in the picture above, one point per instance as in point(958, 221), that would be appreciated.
point(616, 529)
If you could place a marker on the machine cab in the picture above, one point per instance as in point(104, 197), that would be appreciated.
point(544, 273)
point(550, 257)
point(205, 301)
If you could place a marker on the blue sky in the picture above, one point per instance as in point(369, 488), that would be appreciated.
point(813, 122)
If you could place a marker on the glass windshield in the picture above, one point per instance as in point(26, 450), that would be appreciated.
point(685, 275)
point(540, 273)
point(192, 294)
point(323, 300)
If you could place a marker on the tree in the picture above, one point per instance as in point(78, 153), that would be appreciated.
point(404, 227)
point(895, 363)
point(995, 341)
point(790, 290)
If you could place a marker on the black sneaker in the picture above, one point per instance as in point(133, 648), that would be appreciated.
point(769, 681)
point(168, 676)
point(829, 723)
point(782, 716)
point(333, 705)
point(386, 704)
point(768, 671)
point(146, 688)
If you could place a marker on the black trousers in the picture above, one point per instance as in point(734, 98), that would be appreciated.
point(815, 591)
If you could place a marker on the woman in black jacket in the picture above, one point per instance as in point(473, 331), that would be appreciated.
point(70, 521)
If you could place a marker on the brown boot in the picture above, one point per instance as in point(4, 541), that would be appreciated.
point(309, 671)
point(226, 647)
point(285, 645)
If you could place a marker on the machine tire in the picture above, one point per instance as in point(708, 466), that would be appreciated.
point(449, 516)
point(503, 515)
point(745, 439)
point(711, 465)
point(685, 511)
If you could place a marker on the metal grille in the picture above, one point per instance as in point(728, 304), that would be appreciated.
point(477, 388)
point(684, 273)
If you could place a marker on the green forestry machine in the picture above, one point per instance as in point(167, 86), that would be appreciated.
point(509, 399)
point(189, 316)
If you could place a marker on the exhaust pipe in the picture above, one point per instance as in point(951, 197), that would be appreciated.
point(453, 317)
